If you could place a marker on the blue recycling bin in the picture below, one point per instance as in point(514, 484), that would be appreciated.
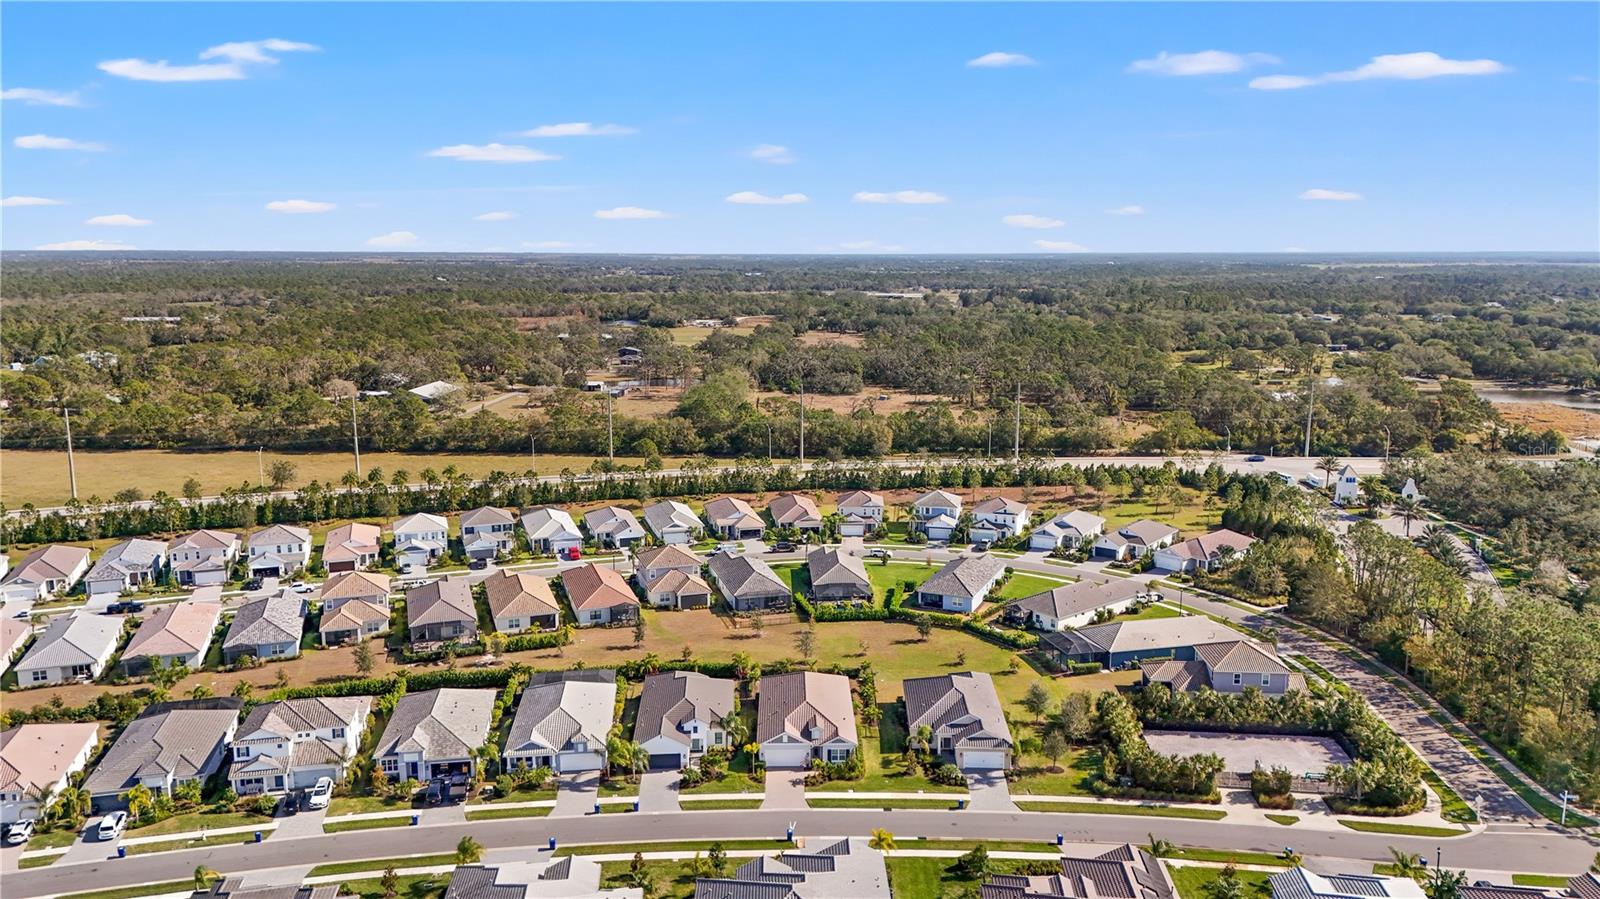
point(552, 844)
point(415, 820)
point(635, 805)
point(961, 804)
point(1061, 839)
point(122, 852)
point(597, 808)
point(791, 833)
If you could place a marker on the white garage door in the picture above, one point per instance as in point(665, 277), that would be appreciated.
point(786, 756)
point(568, 762)
point(983, 761)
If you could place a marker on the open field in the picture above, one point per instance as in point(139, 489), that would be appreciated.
point(1540, 416)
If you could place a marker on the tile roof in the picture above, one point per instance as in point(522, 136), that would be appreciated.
point(127, 557)
point(38, 755)
point(169, 738)
point(291, 716)
point(746, 576)
point(1242, 656)
point(561, 708)
point(680, 583)
point(611, 521)
point(964, 576)
point(420, 522)
point(798, 701)
point(356, 585)
point(484, 516)
point(673, 698)
point(271, 619)
point(446, 599)
point(352, 615)
point(519, 594)
point(441, 724)
point(843, 869)
point(673, 555)
point(1298, 883)
point(592, 587)
point(1147, 532)
point(568, 877)
point(205, 538)
point(1077, 521)
point(794, 509)
point(669, 514)
point(1209, 545)
point(1180, 676)
point(349, 542)
point(731, 511)
point(997, 505)
point(234, 888)
point(47, 563)
point(859, 498)
point(550, 523)
point(78, 639)
point(945, 698)
point(1083, 596)
point(939, 498)
point(1125, 872)
point(1157, 633)
point(280, 533)
point(833, 567)
point(182, 628)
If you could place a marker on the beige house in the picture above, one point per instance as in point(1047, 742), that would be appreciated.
point(36, 757)
point(367, 586)
point(45, 572)
point(599, 596)
point(351, 547)
point(354, 619)
point(442, 610)
point(805, 715)
point(173, 634)
point(519, 601)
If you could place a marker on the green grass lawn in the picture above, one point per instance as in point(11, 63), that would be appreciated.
point(232, 839)
point(919, 878)
point(735, 782)
point(365, 824)
point(38, 861)
point(944, 804)
point(702, 805)
point(416, 886)
point(518, 796)
point(1154, 610)
point(885, 762)
point(1229, 856)
point(1079, 767)
point(415, 861)
point(672, 879)
point(196, 821)
point(1192, 881)
point(53, 839)
point(489, 814)
point(895, 574)
point(1024, 584)
point(1409, 830)
point(1285, 820)
point(1110, 808)
point(1539, 880)
point(360, 805)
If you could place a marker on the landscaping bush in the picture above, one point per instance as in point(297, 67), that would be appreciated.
point(1084, 667)
point(1271, 788)
point(948, 775)
point(1130, 756)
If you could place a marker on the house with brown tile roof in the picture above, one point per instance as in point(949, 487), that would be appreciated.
point(802, 715)
point(442, 610)
point(731, 518)
point(1208, 551)
point(519, 601)
point(354, 619)
point(14, 634)
point(599, 596)
point(41, 756)
point(368, 586)
point(179, 633)
point(351, 547)
point(45, 572)
point(795, 510)
point(965, 715)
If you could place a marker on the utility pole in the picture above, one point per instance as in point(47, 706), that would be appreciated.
point(533, 455)
point(355, 436)
point(1311, 405)
point(1016, 426)
point(261, 470)
point(72, 464)
point(802, 422)
point(611, 443)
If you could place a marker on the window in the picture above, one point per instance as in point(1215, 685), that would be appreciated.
point(338, 733)
point(716, 738)
point(1237, 679)
point(40, 675)
point(391, 766)
point(838, 755)
point(241, 752)
point(1266, 680)
point(595, 615)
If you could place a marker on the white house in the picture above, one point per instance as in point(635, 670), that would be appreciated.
point(1076, 605)
point(202, 558)
point(966, 717)
point(1134, 540)
point(178, 633)
point(45, 572)
point(289, 745)
point(935, 504)
point(613, 526)
point(551, 530)
point(860, 513)
point(805, 715)
point(279, 550)
point(1346, 486)
point(1206, 552)
point(673, 522)
point(435, 733)
point(487, 532)
point(1067, 530)
point(681, 715)
point(72, 647)
point(43, 756)
point(998, 518)
point(170, 744)
point(420, 539)
point(1410, 491)
point(962, 584)
point(562, 722)
point(1298, 883)
point(939, 527)
point(128, 565)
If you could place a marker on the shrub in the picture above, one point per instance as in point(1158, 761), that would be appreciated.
point(264, 804)
point(948, 775)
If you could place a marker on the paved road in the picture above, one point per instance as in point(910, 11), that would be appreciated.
point(1520, 849)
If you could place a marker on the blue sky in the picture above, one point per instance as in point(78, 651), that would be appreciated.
point(843, 128)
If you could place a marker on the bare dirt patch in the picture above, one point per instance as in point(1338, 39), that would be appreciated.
point(828, 338)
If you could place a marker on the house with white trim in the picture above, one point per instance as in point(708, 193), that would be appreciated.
point(129, 565)
point(72, 647)
point(551, 530)
point(288, 745)
point(487, 532)
point(673, 522)
point(998, 518)
point(562, 721)
point(1069, 530)
point(420, 539)
point(279, 551)
point(805, 715)
point(202, 558)
point(45, 572)
point(681, 715)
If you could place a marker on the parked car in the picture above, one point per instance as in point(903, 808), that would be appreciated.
point(405, 567)
point(571, 554)
point(980, 546)
point(19, 832)
point(783, 546)
point(124, 608)
point(877, 554)
point(111, 825)
point(727, 546)
point(288, 806)
point(302, 587)
point(253, 584)
point(478, 564)
point(320, 793)
point(1255, 458)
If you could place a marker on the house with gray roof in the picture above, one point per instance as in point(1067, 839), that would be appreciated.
point(433, 734)
point(1298, 883)
point(288, 745)
point(1067, 530)
point(613, 527)
point(845, 868)
point(279, 551)
point(202, 558)
point(1134, 540)
point(962, 584)
point(795, 510)
point(1118, 644)
point(680, 716)
point(487, 531)
point(998, 518)
point(551, 530)
point(837, 575)
point(673, 522)
point(936, 513)
point(175, 634)
point(128, 565)
point(1125, 872)
point(1078, 604)
point(731, 518)
point(72, 647)
point(420, 539)
point(860, 512)
point(234, 888)
point(802, 715)
point(442, 611)
point(544, 877)
point(45, 572)
point(966, 717)
point(169, 744)
point(1228, 666)
point(1208, 552)
point(562, 722)
point(268, 628)
point(749, 584)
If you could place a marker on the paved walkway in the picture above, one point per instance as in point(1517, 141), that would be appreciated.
point(786, 789)
point(988, 791)
point(575, 794)
point(304, 824)
point(658, 791)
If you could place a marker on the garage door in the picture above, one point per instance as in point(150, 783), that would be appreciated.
point(983, 761)
point(579, 761)
point(670, 761)
point(786, 756)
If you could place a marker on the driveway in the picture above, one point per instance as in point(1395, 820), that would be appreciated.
point(989, 792)
point(658, 791)
point(786, 789)
point(301, 824)
point(575, 794)
point(90, 849)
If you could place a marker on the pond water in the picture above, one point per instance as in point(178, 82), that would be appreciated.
point(1589, 402)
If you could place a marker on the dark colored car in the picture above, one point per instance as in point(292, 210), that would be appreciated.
point(121, 608)
point(1256, 459)
point(478, 564)
point(288, 805)
point(253, 584)
point(783, 546)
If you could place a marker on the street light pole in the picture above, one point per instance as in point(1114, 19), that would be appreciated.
point(72, 464)
point(355, 436)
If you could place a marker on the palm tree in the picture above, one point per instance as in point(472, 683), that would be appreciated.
point(882, 840)
point(1328, 465)
point(1443, 884)
point(1405, 864)
point(1409, 510)
point(41, 796)
point(203, 877)
point(1158, 848)
point(468, 851)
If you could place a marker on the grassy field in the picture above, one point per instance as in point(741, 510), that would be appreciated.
point(1192, 881)
point(488, 814)
point(1408, 830)
point(365, 824)
point(197, 821)
point(1110, 808)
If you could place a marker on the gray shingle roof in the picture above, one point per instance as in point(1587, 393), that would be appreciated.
point(831, 567)
point(1126, 872)
point(746, 576)
point(271, 619)
point(676, 697)
point(174, 738)
point(564, 707)
point(947, 698)
point(292, 716)
point(1298, 883)
point(127, 557)
point(1147, 532)
point(1157, 633)
point(794, 509)
point(79, 639)
point(447, 599)
point(844, 869)
point(1084, 596)
point(442, 724)
point(483, 516)
point(965, 576)
point(731, 511)
point(669, 514)
point(611, 521)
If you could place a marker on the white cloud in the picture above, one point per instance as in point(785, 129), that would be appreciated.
point(1000, 60)
point(394, 239)
point(237, 56)
point(10, 202)
point(547, 245)
point(1322, 193)
point(870, 246)
point(752, 198)
point(1126, 210)
point(299, 207)
point(492, 153)
point(579, 129)
point(776, 154)
point(34, 96)
point(1205, 62)
point(85, 245)
point(118, 220)
point(629, 212)
point(1060, 246)
point(1032, 221)
point(913, 197)
point(496, 216)
point(46, 142)
point(1389, 67)
point(1294, 249)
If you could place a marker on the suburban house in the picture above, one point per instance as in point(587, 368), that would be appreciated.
point(366, 586)
point(434, 733)
point(234, 888)
point(442, 611)
point(966, 717)
point(288, 745)
point(749, 584)
point(673, 522)
point(45, 572)
point(860, 513)
point(1226, 667)
point(847, 868)
point(936, 514)
point(795, 510)
point(1207, 552)
point(804, 715)
point(613, 527)
point(548, 877)
point(1298, 883)
point(202, 558)
point(551, 530)
point(962, 584)
point(354, 619)
point(680, 716)
point(1090, 872)
point(41, 757)
point(1346, 486)
point(128, 565)
point(519, 601)
point(434, 391)
point(732, 518)
point(1118, 644)
point(1077, 604)
point(998, 518)
point(14, 634)
point(169, 744)
point(1410, 491)
point(266, 628)
point(1134, 540)
point(599, 596)
point(836, 574)
point(176, 634)
point(670, 578)
point(1067, 530)
point(487, 532)
point(279, 550)
point(420, 539)
point(70, 648)
point(562, 722)
point(351, 547)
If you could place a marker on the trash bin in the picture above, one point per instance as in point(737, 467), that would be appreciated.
point(961, 804)
point(552, 844)
point(1061, 839)
point(122, 852)
point(258, 836)
point(635, 805)
point(597, 808)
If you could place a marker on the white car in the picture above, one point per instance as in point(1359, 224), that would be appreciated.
point(111, 825)
point(320, 793)
point(19, 832)
point(303, 587)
